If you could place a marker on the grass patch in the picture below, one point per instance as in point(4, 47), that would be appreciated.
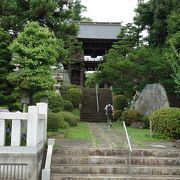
point(55, 135)
point(139, 135)
point(81, 131)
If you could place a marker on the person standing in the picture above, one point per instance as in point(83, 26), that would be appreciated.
point(109, 113)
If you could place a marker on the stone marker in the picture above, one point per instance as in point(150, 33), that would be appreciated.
point(152, 97)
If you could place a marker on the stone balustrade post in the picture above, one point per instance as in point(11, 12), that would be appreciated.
point(43, 109)
point(16, 132)
point(2, 132)
point(32, 126)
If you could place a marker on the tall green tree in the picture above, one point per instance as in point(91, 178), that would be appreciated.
point(153, 16)
point(7, 97)
point(34, 50)
point(53, 13)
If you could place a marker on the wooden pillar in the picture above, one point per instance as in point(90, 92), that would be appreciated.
point(82, 76)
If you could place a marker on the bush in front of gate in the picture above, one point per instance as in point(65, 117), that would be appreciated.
point(120, 102)
point(56, 122)
point(166, 121)
point(74, 95)
point(130, 116)
point(117, 115)
point(70, 118)
point(61, 120)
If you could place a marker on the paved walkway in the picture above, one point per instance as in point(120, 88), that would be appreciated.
point(109, 137)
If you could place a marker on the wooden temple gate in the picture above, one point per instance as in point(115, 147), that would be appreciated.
point(97, 38)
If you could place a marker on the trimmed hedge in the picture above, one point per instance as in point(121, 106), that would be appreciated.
point(55, 103)
point(56, 121)
point(68, 106)
point(120, 102)
point(130, 116)
point(166, 121)
point(70, 118)
point(117, 115)
point(74, 95)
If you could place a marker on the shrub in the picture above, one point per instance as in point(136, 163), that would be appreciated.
point(120, 102)
point(55, 103)
point(130, 116)
point(55, 122)
point(74, 95)
point(73, 86)
point(69, 118)
point(68, 106)
point(117, 115)
point(166, 121)
point(145, 120)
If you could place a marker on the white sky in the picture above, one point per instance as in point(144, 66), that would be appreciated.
point(110, 10)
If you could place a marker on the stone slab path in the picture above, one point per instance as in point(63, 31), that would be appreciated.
point(108, 137)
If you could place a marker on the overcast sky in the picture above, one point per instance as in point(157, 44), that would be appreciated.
point(110, 10)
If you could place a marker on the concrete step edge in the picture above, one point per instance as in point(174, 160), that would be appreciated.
point(116, 176)
point(115, 166)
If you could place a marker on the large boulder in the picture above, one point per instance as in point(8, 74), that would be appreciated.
point(152, 97)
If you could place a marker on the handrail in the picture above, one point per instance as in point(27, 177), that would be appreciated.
point(97, 99)
point(130, 148)
point(129, 144)
point(46, 172)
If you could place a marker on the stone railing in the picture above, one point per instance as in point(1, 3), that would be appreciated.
point(46, 172)
point(19, 161)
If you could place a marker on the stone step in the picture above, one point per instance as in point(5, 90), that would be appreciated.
point(115, 169)
point(108, 160)
point(116, 152)
point(109, 177)
point(88, 102)
point(93, 119)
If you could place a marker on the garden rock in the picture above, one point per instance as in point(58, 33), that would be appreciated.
point(152, 97)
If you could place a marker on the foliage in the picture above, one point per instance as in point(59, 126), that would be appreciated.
point(54, 14)
point(130, 115)
point(7, 97)
point(71, 119)
point(91, 80)
point(138, 135)
point(74, 95)
point(55, 122)
point(34, 50)
point(128, 38)
point(76, 112)
point(78, 8)
point(120, 102)
point(146, 121)
point(153, 16)
point(142, 66)
point(55, 103)
point(67, 105)
point(166, 121)
point(117, 115)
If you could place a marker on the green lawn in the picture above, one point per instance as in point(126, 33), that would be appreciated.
point(81, 131)
point(139, 135)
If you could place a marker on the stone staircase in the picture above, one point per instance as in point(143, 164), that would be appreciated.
point(88, 111)
point(72, 163)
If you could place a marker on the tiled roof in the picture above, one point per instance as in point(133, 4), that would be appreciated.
point(99, 30)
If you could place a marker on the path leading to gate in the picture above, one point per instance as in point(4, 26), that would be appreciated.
point(108, 137)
